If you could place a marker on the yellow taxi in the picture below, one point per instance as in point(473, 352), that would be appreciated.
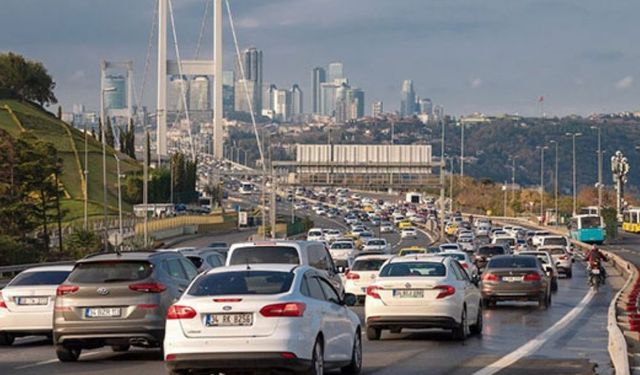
point(412, 250)
point(451, 229)
point(405, 224)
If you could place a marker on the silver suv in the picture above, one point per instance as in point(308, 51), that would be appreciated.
point(118, 300)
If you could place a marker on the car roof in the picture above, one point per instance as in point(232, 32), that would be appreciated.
point(127, 255)
point(418, 258)
point(50, 268)
point(541, 248)
point(373, 257)
point(257, 267)
point(290, 243)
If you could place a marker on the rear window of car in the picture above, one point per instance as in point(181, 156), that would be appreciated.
point(39, 278)
point(110, 272)
point(265, 254)
point(555, 251)
point(425, 269)
point(315, 233)
point(555, 241)
point(491, 250)
point(242, 283)
point(458, 257)
point(513, 262)
point(375, 243)
point(342, 246)
point(368, 265)
point(508, 241)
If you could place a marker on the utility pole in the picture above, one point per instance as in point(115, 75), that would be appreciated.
point(600, 184)
point(513, 180)
point(461, 149)
point(145, 187)
point(105, 238)
point(555, 184)
point(542, 218)
point(442, 166)
point(86, 180)
point(120, 231)
point(575, 193)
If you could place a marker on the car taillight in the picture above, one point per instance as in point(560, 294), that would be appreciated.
point(66, 289)
point(181, 312)
point(465, 265)
point(489, 277)
point(148, 287)
point(534, 276)
point(3, 305)
point(372, 291)
point(564, 257)
point(352, 276)
point(227, 300)
point(445, 291)
point(290, 310)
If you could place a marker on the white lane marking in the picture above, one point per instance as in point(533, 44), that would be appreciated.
point(535, 344)
point(54, 360)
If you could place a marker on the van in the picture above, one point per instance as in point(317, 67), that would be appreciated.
point(307, 253)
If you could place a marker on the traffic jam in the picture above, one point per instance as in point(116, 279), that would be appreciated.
point(302, 306)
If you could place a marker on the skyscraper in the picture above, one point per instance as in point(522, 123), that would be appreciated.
point(268, 97)
point(318, 78)
point(328, 91)
point(251, 60)
point(115, 95)
point(199, 94)
point(178, 86)
point(228, 92)
point(335, 72)
point(241, 89)
point(282, 105)
point(296, 101)
point(425, 106)
point(408, 100)
point(356, 97)
point(377, 108)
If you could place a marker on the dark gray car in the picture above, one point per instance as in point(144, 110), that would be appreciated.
point(118, 300)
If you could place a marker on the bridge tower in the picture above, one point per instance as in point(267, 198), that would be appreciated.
point(189, 67)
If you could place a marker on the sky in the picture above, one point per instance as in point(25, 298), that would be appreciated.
point(489, 56)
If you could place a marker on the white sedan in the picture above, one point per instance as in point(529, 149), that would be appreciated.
point(26, 303)
point(342, 252)
point(362, 273)
point(423, 292)
point(377, 244)
point(262, 318)
point(409, 232)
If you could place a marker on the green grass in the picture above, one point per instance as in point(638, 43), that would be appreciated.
point(47, 127)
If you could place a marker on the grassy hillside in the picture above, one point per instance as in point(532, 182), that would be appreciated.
point(17, 117)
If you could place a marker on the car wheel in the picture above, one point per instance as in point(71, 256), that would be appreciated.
point(462, 330)
point(317, 361)
point(543, 302)
point(356, 357)
point(569, 274)
point(177, 372)
point(6, 339)
point(120, 348)
point(66, 354)
point(554, 285)
point(476, 329)
point(373, 334)
point(487, 303)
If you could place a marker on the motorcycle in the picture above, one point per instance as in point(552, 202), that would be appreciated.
point(596, 278)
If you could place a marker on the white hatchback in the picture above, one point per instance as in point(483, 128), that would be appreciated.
point(342, 252)
point(377, 244)
point(268, 317)
point(362, 273)
point(423, 292)
point(26, 303)
point(409, 232)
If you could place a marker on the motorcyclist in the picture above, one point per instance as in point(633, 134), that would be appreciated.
point(595, 256)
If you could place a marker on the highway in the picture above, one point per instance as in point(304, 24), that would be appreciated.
point(518, 338)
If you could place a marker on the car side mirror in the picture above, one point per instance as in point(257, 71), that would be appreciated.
point(349, 299)
point(475, 279)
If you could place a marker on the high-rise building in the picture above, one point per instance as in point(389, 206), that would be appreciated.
point(282, 105)
point(408, 100)
point(268, 97)
point(318, 78)
point(251, 60)
point(336, 72)
point(178, 86)
point(438, 113)
point(228, 92)
point(296, 101)
point(115, 95)
point(425, 106)
point(377, 108)
point(356, 97)
point(328, 91)
point(241, 100)
point(199, 94)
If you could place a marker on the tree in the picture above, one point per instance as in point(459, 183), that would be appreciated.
point(131, 140)
point(108, 134)
point(27, 79)
point(81, 243)
point(59, 112)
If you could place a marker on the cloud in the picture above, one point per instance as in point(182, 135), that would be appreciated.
point(624, 83)
point(476, 83)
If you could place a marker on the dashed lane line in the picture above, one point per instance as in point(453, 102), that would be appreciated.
point(533, 345)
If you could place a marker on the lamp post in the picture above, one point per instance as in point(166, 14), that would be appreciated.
point(542, 148)
point(86, 180)
point(104, 164)
point(120, 231)
point(504, 188)
point(600, 152)
point(442, 167)
point(555, 184)
point(513, 180)
point(573, 136)
point(461, 149)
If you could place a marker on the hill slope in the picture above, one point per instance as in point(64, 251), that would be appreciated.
point(18, 117)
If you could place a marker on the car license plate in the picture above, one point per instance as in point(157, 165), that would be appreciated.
point(103, 312)
point(408, 293)
point(27, 301)
point(511, 279)
point(364, 289)
point(228, 320)
point(595, 271)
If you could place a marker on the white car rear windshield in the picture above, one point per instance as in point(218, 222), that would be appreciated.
point(265, 254)
point(342, 246)
point(40, 278)
point(242, 283)
point(426, 269)
point(368, 265)
point(561, 241)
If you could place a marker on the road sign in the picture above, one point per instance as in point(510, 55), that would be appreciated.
point(243, 218)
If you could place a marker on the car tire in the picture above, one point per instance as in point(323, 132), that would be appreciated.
point(569, 274)
point(554, 285)
point(461, 331)
point(66, 354)
point(120, 348)
point(543, 302)
point(373, 334)
point(476, 329)
point(6, 339)
point(487, 303)
point(317, 360)
point(355, 366)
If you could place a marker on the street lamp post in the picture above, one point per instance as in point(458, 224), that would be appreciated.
point(513, 181)
point(86, 180)
point(555, 184)
point(104, 163)
point(120, 231)
point(600, 152)
point(542, 148)
point(442, 167)
point(504, 188)
point(461, 149)
point(573, 136)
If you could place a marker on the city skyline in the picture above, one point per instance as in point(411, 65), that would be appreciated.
point(464, 55)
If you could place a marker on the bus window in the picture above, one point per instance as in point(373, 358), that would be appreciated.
point(590, 222)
